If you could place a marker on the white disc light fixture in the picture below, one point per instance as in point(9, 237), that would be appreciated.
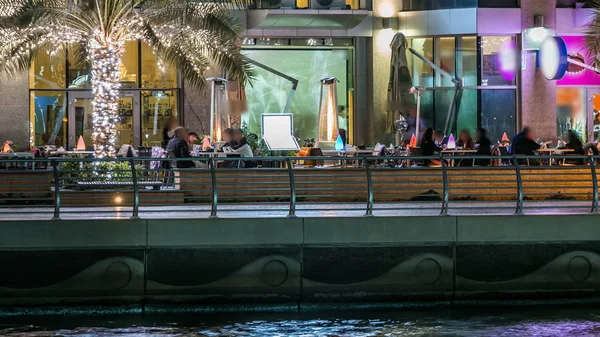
point(553, 58)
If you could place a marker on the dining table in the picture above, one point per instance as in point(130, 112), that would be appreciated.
point(18, 155)
point(457, 152)
point(554, 151)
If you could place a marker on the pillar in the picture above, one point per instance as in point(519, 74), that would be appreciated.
point(538, 95)
point(14, 110)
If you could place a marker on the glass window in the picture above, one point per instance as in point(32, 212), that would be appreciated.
point(466, 56)
point(571, 111)
point(466, 118)
point(47, 71)
point(155, 75)
point(422, 73)
point(498, 113)
point(157, 108)
point(445, 59)
point(498, 3)
point(48, 118)
point(443, 99)
point(129, 65)
point(269, 92)
point(499, 60)
point(467, 114)
point(78, 76)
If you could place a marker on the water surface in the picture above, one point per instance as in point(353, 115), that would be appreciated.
point(539, 322)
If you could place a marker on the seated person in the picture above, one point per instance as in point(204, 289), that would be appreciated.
point(575, 144)
point(241, 147)
point(524, 145)
point(192, 138)
point(465, 141)
point(484, 147)
point(440, 139)
point(178, 147)
point(429, 148)
point(227, 138)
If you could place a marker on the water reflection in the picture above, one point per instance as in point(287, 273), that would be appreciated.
point(531, 323)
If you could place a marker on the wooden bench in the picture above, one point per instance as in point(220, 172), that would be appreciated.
point(417, 184)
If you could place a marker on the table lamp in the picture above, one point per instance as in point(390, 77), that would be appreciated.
point(451, 142)
point(205, 143)
point(339, 144)
point(80, 144)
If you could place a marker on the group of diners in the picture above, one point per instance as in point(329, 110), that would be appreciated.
point(180, 144)
point(435, 142)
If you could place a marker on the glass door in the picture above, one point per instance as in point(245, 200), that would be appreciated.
point(80, 111)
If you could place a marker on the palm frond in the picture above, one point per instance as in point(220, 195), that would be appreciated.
point(592, 36)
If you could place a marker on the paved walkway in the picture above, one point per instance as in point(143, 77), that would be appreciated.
point(303, 210)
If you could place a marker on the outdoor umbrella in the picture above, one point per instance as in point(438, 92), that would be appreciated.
point(400, 99)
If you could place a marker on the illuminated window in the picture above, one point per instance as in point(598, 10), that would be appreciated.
point(48, 117)
point(47, 71)
point(499, 60)
point(156, 74)
point(158, 107)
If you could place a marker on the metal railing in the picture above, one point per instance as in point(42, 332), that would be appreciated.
point(291, 186)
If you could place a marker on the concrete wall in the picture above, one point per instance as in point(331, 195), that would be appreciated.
point(291, 263)
point(14, 110)
point(379, 71)
point(196, 108)
point(538, 96)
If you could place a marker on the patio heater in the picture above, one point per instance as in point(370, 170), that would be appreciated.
point(458, 88)
point(219, 108)
point(328, 130)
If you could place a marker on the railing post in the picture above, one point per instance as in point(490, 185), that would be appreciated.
point(595, 185)
point(446, 196)
point(369, 188)
point(519, 209)
point(213, 179)
point(292, 212)
point(56, 215)
point(136, 191)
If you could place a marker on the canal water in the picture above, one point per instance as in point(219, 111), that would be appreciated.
point(538, 322)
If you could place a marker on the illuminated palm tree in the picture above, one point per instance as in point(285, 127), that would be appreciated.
point(190, 35)
point(592, 38)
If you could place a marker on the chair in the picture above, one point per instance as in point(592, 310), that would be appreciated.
point(418, 152)
point(170, 174)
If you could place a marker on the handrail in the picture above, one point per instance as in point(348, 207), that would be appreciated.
point(213, 179)
point(594, 186)
point(292, 212)
point(520, 196)
point(370, 198)
point(136, 191)
point(73, 176)
point(56, 191)
point(446, 197)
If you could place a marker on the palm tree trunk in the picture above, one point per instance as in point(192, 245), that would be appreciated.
point(106, 60)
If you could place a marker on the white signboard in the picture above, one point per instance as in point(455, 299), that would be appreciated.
point(278, 132)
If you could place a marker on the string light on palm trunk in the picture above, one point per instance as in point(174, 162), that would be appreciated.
point(106, 61)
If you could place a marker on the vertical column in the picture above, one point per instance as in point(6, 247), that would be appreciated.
point(14, 109)
point(538, 95)
point(361, 85)
point(380, 128)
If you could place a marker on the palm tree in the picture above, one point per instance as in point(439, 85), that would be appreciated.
point(592, 38)
point(190, 35)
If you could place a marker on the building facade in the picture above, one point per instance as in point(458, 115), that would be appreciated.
point(488, 44)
